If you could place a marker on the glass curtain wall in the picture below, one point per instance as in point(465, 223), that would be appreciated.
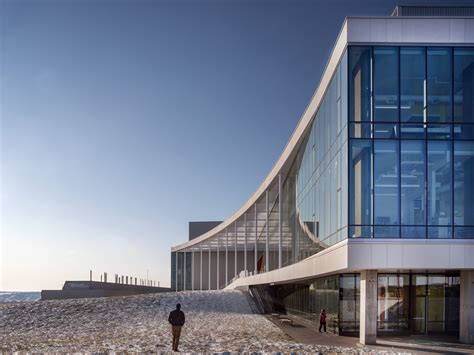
point(320, 210)
point(349, 298)
point(393, 302)
point(307, 299)
point(434, 305)
point(312, 207)
point(338, 295)
point(411, 134)
point(418, 303)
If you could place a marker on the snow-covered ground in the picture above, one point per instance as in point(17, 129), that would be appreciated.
point(216, 321)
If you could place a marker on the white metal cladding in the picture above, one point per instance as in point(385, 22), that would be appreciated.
point(355, 30)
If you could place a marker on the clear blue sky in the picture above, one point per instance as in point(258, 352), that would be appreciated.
point(123, 120)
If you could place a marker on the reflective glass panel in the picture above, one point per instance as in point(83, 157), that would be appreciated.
point(386, 130)
point(412, 84)
point(439, 131)
point(386, 84)
point(360, 232)
point(360, 182)
point(439, 83)
point(439, 183)
point(386, 182)
point(360, 130)
point(413, 232)
point(464, 232)
point(412, 131)
point(464, 85)
point(464, 183)
point(436, 303)
point(418, 301)
point(393, 302)
point(463, 131)
point(440, 232)
point(413, 195)
point(386, 231)
point(349, 301)
point(359, 83)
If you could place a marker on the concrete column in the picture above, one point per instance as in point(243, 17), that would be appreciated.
point(235, 249)
point(184, 271)
point(245, 243)
point(200, 268)
point(226, 254)
point(280, 237)
point(209, 271)
point(192, 270)
point(176, 271)
point(466, 316)
point(368, 307)
point(255, 254)
point(267, 259)
point(217, 253)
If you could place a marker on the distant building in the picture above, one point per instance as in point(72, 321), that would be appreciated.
point(369, 211)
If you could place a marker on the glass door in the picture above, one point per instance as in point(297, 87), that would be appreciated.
point(435, 305)
point(418, 318)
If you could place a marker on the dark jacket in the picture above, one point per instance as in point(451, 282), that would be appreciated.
point(322, 317)
point(176, 318)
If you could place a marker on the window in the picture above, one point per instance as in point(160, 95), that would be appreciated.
point(439, 183)
point(359, 83)
point(393, 302)
point(361, 182)
point(439, 83)
point(464, 85)
point(386, 84)
point(411, 142)
point(463, 183)
point(412, 84)
point(413, 196)
point(386, 188)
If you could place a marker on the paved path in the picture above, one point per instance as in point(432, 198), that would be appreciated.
point(307, 333)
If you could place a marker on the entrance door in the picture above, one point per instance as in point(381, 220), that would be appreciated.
point(428, 311)
point(435, 305)
point(419, 304)
point(419, 317)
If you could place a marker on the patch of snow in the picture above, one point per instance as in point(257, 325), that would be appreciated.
point(216, 321)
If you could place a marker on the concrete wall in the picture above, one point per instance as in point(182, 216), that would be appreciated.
point(443, 30)
point(92, 289)
point(440, 254)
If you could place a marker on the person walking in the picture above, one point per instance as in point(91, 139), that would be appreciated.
point(322, 320)
point(176, 319)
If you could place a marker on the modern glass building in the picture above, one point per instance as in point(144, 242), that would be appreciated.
point(366, 212)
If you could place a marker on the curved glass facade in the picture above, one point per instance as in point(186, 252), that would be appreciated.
point(389, 153)
point(320, 207)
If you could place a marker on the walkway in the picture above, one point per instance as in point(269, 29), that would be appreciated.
point(306, 332)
